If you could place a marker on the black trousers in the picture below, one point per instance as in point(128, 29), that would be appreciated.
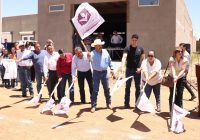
point(2, 70)
point(81, 77)
point(32, 73)
point(51, 83)
point(179, 93)
point(189, 88)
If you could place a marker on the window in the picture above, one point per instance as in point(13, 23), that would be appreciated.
point(148, 2)
point(56, 8)
point(28, 37)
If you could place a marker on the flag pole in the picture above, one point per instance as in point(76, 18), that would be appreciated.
point(55, 88)
point(79, 36)
point(173, 99)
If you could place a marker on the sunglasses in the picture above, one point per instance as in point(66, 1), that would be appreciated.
point(150, 55)
point(177, 51)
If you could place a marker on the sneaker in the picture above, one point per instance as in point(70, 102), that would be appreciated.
point(192, 98)
point(158, 108)
point(92, 109)
point(24, 95)
point(32, 95)
point(127, 106)
point(109, 106)
point(83, 102)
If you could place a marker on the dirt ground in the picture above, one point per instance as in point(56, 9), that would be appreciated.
point(18, 120)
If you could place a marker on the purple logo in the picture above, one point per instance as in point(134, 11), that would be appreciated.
point(84, 17)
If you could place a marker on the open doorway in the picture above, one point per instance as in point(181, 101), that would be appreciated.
point(115, 16)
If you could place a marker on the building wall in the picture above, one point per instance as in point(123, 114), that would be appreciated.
point(198, 46)
point(160, 28)
point(57, 25)
point(184, 30)
point(155, 25)
point(18, 24)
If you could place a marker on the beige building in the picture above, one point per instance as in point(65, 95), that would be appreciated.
point(161, 24)
point(20, 28)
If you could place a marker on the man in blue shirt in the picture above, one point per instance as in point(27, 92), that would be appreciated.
point(37, 57)
point(100, 60)
point(5, 44)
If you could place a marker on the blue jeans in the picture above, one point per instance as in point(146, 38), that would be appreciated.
point(156, 91)
point(38, 76)
point(62, 86)
point(25, 78)
point(137, 77)
point(103, 77)
point(81, 77)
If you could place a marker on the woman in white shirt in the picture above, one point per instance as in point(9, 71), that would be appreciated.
point(151, 73)
point(177, 65)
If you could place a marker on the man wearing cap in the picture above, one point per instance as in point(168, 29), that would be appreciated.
point(24, 70)
point(100, 60)
point(81, 69)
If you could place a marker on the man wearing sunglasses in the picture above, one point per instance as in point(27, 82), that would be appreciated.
point(151, 73)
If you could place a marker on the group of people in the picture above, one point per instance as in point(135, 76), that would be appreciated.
point(56, 68)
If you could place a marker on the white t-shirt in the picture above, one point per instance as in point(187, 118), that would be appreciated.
point(156, 67)
point(187, 56)
point(178, 65)
point(116, 39)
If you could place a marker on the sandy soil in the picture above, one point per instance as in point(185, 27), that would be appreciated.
point(18, 120)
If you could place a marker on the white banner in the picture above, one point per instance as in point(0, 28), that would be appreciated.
point(118, 84)
point(63, 106)
point(178, 113)
point(144, 104)
point(10, 68)
point(86, 20)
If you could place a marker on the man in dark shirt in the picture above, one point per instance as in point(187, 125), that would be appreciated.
point(131, 60)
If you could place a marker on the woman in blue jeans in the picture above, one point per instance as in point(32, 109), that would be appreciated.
point(151, 73)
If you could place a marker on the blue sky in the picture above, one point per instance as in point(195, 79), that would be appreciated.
point(25, 7)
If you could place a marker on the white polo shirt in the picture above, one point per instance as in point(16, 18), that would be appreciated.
point(156, 67)
point(50, 61)
point(116, 39)
point(178, 65)
point(21, 54)
point(82, 65)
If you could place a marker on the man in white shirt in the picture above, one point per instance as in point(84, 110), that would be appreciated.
point(151, 69)
point(24, 70)
point(81, 69)
point(187, 56)
point(49, 69)
point(116, 40)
